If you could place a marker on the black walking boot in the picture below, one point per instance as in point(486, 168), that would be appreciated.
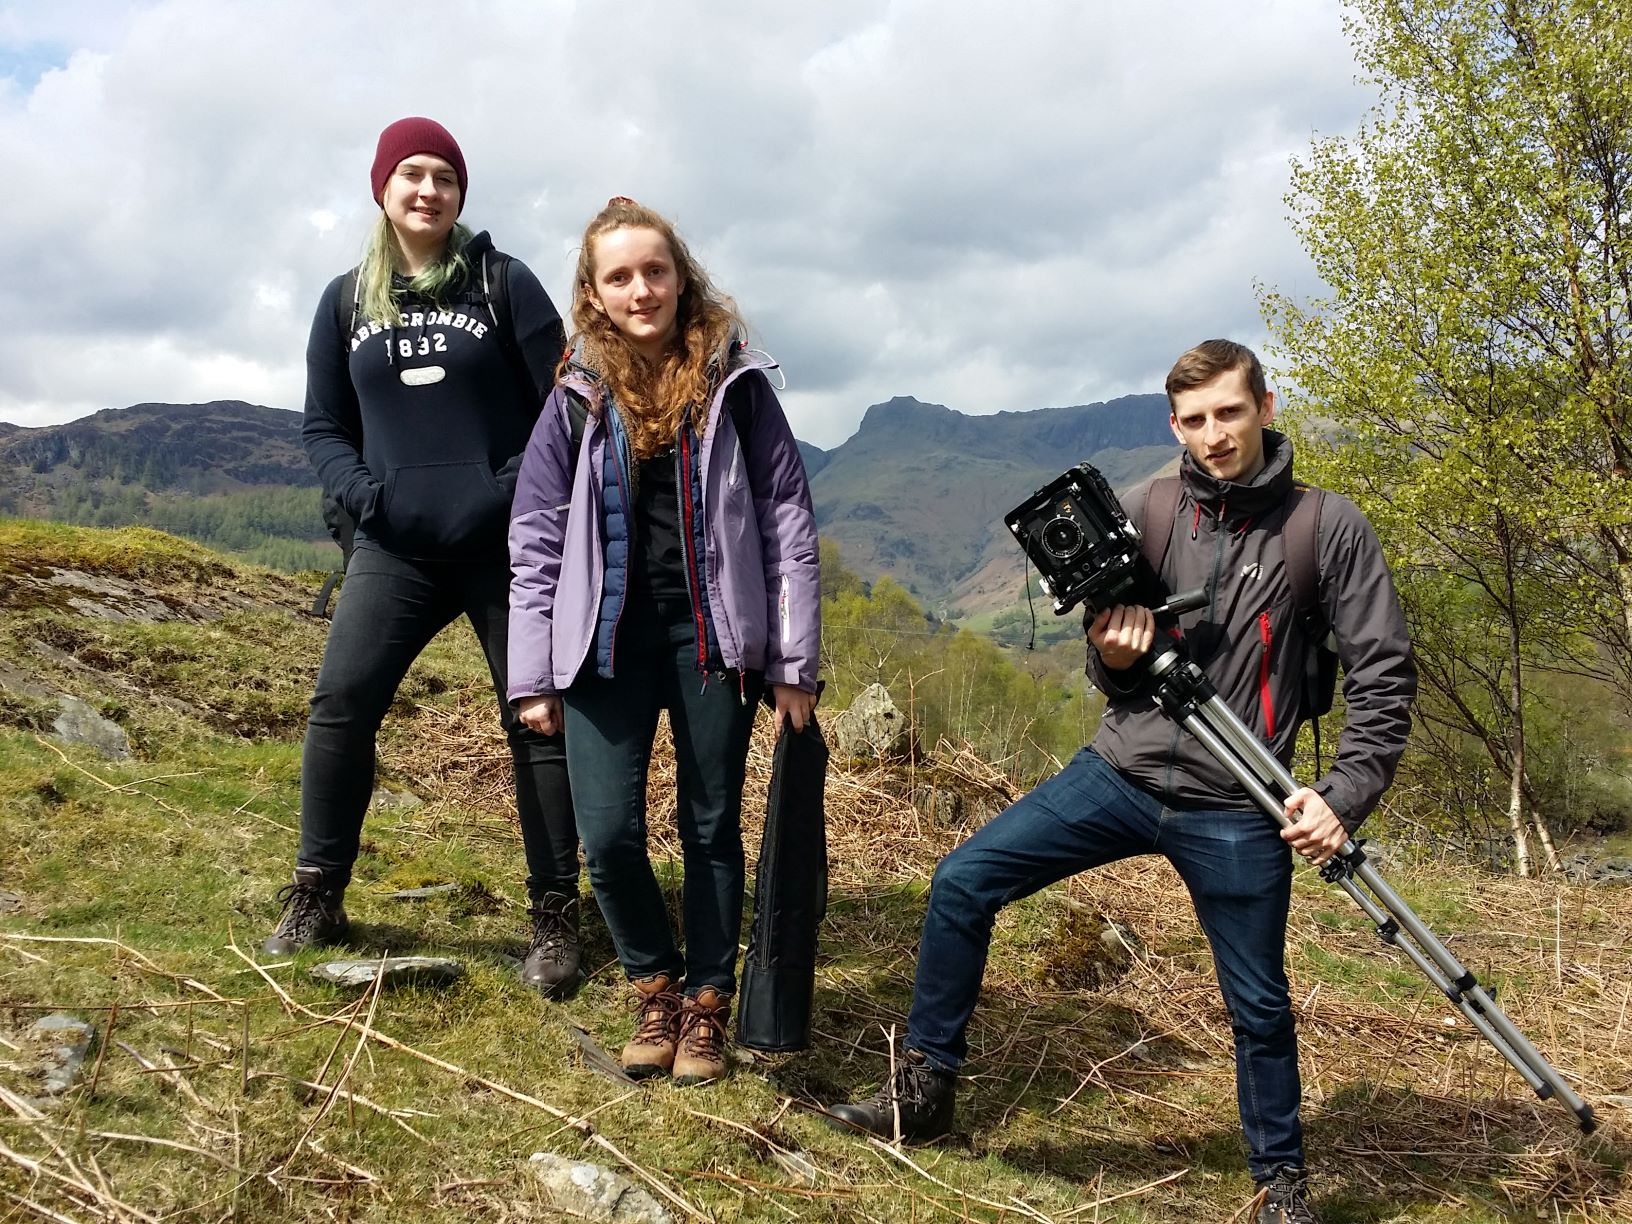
point(1286, 1198)
point(554, 951)
point(312, 913)
point(923, 1096)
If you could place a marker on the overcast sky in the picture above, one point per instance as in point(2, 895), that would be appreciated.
point(989, 206)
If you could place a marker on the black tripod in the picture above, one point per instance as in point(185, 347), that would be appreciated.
point(1188, 697)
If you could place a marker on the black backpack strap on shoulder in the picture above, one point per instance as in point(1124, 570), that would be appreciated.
point(1301, 538)
point(740, 404)
point(495, 289)
point(577, 417)
point(1161, 507)
point(348, 304)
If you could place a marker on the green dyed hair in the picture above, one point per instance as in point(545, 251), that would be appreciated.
point(382, 262)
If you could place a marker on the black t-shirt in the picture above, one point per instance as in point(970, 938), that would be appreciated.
point(659, 564)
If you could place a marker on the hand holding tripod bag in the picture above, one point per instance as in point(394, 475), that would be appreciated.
point(790, 898)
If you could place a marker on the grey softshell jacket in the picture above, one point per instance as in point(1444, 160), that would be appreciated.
point(1251, 642)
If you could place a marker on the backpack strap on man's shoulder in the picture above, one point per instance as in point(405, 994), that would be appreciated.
point(1301, 540)
point(1161, 507)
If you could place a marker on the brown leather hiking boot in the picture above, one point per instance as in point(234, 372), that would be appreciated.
point(553, 953)
point(312, 913)
point(919, 1096)
point(700, 1056)
point(657, 1026)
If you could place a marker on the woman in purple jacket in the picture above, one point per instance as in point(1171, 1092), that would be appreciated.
point(664, 557)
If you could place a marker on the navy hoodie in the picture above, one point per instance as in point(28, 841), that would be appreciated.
point(417, 428)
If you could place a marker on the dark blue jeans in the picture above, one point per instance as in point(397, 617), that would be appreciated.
point(611, 724)
point(388, 611)
point(1238, 872)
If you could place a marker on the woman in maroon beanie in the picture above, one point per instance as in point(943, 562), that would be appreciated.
point(425, 372)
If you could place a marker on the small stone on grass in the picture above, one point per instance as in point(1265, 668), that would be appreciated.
point(392, 970)
point(69, 1040)
point(421, 894)
point(589, 1192)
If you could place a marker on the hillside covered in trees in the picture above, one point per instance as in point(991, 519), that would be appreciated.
point(1467, 380)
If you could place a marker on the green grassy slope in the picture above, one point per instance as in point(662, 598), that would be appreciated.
point(1096, 1090)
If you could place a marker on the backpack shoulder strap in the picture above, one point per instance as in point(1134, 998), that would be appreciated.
point(347, 306)
point(1301, 538)
point(577, 416)
point(741, 407)
point(495, 288)
point(1161, 506)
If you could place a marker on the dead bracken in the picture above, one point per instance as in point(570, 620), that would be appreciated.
point(222, 1088)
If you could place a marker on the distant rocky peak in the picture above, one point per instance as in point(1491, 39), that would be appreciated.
point(903, 410)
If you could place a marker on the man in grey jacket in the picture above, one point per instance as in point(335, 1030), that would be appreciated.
point(1145, 786)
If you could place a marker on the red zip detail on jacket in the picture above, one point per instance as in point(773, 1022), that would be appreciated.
point(1264, 695)
point(694, 581)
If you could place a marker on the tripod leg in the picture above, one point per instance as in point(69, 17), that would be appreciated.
point(1241, 753)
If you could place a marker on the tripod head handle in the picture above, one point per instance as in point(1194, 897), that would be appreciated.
point(1184, 601)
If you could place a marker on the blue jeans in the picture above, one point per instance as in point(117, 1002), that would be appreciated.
point(610, 727)
point(388, 611)
point(1238, 872)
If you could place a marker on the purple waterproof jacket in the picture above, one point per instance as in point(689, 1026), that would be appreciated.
point(764, 594)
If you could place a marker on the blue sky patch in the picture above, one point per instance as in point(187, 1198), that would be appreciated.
point(27, 64)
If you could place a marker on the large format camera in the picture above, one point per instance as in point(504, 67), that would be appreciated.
point(1077, 536)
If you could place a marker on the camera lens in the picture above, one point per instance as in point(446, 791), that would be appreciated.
point(1062, 538)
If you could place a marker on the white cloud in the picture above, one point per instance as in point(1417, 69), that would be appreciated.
point(992, 209)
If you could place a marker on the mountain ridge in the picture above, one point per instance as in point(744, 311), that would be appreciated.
point(917, 492)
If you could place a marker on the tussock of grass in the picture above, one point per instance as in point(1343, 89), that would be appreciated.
point(26, 545)
point(147, 885)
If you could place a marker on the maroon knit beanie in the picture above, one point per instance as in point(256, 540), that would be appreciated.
point(406, 137)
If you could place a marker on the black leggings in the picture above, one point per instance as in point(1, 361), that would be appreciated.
point(388, 611)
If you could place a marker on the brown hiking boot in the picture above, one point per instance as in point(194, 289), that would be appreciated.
point(312, 913)
point(700, 1055)
point(551, 964)
point(657, 1025)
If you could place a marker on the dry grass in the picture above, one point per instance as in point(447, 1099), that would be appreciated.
point(1404, 1101)
point(1099, 1088)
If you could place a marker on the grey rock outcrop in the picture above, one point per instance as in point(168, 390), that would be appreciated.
point(873, 726)
point(79, 724)
point(588, 1192)
point(1589, 867)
